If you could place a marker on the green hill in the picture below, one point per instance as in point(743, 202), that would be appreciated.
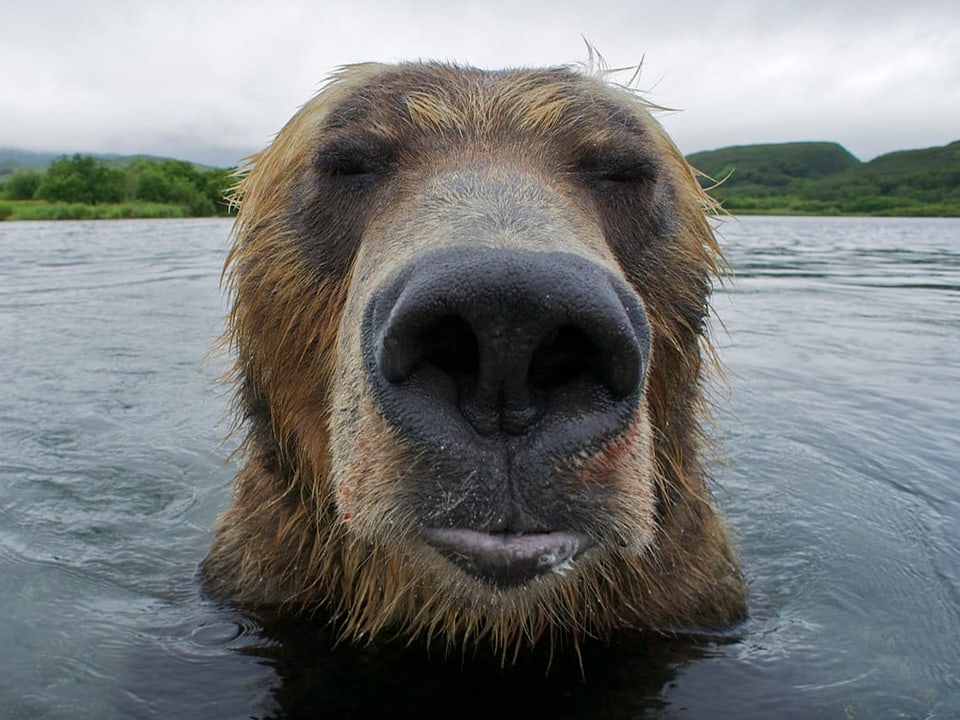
point(773, 165)
point(821, 178)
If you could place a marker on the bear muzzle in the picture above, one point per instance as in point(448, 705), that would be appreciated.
point(497, 367)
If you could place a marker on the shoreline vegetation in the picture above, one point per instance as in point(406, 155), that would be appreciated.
point(804, 178)
point(43, 210)
point(89, 187)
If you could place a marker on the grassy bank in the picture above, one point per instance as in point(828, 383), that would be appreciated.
point(40, 210)
point(736, 204)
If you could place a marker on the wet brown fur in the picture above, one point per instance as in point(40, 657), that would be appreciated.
point(317, 522)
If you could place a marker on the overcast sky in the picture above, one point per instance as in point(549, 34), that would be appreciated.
point(213, 81)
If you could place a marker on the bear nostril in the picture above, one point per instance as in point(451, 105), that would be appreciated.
point(447, 344)
point(450, 345)
point(614, 360)
point(562, 356)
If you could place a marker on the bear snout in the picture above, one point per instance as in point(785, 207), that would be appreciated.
point(505, 342)
point(500, 366)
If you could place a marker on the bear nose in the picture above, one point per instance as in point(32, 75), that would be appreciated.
point(504, 337)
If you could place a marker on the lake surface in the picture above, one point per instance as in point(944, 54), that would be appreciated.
point(838, 467)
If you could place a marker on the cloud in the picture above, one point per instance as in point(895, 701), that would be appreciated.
point(214, 80)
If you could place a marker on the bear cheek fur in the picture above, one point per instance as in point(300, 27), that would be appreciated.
point(367, 458)
point(622, 481)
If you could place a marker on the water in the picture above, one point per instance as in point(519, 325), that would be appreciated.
point(837, 468)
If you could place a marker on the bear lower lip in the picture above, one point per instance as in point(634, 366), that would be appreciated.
point(508, 559)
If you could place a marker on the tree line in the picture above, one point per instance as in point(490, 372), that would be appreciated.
point(87, 179)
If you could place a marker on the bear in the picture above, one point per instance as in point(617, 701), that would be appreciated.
point(469, 327)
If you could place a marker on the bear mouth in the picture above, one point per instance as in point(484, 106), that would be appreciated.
point(508, 559)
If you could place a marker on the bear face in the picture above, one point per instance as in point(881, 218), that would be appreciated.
point(469, 323)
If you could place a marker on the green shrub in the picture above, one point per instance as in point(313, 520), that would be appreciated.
point(22, 185)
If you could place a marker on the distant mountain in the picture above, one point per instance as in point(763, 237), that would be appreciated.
point(824, 178)
point(12, 159)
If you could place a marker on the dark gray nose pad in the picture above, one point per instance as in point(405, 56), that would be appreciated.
point(500, 338)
